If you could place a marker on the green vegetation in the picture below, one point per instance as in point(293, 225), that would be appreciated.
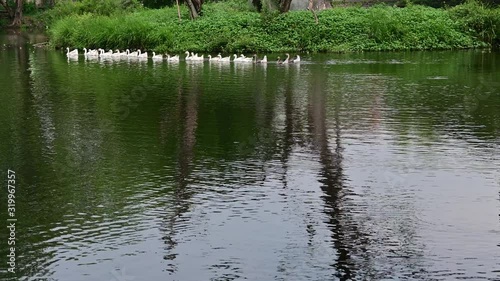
point(234, 26)
point(102, 7)
point(478, 21)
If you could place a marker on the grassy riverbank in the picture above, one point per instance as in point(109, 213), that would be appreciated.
point(229, 27)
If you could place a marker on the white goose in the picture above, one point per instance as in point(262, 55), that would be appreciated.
point(224, 59)
point(217, 58)
point(157, 57)
point(197, 58)
point(263, 60)
point(245, 59)
point(287, 60)
point(105, 55)
point(90, 53)
point(236, 58)
point(116, 54)
point(297, 59)
point(142, 55)
point(132, 54)
point(173, 59)
point(188, 58)
point(72, 54)
point(124, 53)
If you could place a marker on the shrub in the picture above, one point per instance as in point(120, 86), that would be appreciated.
point(29, 8)
point(479, 21)
point(67, 8)
point(226, 27)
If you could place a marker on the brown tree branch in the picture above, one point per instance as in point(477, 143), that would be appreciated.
point(285, 5)
point(178, 10)
point(311, 8)
point(194, 8)
point(7, 8)
point(18, 14)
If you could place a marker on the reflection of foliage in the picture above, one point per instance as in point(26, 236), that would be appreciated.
point(451, 99)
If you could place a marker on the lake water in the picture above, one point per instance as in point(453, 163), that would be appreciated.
point(368, 166)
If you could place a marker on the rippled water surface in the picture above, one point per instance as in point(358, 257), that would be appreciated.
point(372, 166)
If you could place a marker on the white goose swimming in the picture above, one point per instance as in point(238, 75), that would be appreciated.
point(105, 55)
point(116, 54)
point(297, 59)
point(217, 58)
point(132, 54)
point(195, 57)
point(245, 59)
point(263, 60)
point(237, 59)
point(173, 59)
point(224, 59)
point(287, 60)
point(188, 58)
point(124, 53)
point(90, 53)
point(72, 54)
point(142, 55)
point(157, 57)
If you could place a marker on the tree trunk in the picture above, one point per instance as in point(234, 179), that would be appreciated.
point(197, 5)
point(178, 10)
point(194, 8)
point(310, 7)
point(285, 5)
point(18, 14)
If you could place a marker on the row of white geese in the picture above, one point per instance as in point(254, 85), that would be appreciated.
point(100, 53)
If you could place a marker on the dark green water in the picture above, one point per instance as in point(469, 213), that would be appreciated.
point(374, 166)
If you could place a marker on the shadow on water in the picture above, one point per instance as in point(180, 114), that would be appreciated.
point(187, 108)
point(331, 172)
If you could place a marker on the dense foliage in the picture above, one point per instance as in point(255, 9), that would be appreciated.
point(231, 26)
point(450, 3)
point(67, 8)
point(478, 21)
